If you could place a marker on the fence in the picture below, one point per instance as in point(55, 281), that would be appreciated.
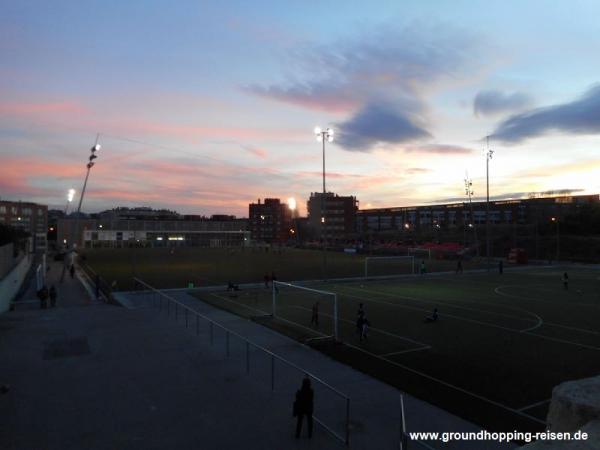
point(327, 411)
point(94, 279)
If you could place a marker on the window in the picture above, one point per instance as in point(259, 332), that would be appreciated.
point(2, 209)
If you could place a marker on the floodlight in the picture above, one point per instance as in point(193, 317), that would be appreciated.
point(96, 147)
point(70, 195)
point(319, 137)
point(330, 131)
point(317, 130)
point(329, 138)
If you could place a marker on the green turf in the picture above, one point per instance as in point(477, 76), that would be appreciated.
point(166, 268)
point(506, 339)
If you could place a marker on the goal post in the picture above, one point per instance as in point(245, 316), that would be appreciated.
point(293, 304)
point(369, 260)
point(419, 252)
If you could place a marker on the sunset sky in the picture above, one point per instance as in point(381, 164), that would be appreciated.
point(203, 107)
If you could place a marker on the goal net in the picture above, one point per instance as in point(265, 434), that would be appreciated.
point(378, 266)
point(311, 310)
point(420, 253)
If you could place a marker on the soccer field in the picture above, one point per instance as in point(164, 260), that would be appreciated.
point(177, 267)
point(502, 342)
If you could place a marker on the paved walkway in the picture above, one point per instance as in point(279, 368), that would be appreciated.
point(86, 375)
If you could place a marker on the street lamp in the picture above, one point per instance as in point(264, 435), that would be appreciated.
point(488, 156)
point(555, 220)
point(322, 136)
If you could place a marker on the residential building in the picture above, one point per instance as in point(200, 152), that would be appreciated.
point(30, 217)
point(270, 221)
point(332, 216)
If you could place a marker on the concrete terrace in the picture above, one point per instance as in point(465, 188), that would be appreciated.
point(87, 375)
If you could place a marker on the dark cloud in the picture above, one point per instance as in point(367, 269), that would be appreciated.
point(581, 116)
point(401, 65)
point(378, 124)
point(492, 102)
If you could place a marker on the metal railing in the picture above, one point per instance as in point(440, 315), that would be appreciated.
point(192, 318)
point(103, 287)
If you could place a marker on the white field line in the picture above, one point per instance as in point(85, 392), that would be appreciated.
point(566, 327)
point(512, 330)
point(377, 330)
point(444, 383)
point(240, 304)
point(268, 314)
point(533, 405)
point(529, 299)
point(418, 349)
point(452, 305)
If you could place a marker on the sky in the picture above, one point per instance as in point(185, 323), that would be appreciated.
point(203, 107)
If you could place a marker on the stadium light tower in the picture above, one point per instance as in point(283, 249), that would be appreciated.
point(469, 194)
point(322, 136)
point(89, 166)
point(557, 222)
point(70, 196)
point(488, 156)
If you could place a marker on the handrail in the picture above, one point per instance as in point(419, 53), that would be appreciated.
point(345, 398)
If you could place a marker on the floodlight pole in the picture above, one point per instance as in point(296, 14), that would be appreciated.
point(488, 156)
point(89, 166)
point(323, 135)
point(323, 206)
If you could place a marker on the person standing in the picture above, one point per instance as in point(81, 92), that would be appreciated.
point(303, 406)
point(360, 315)
point(459, 268)
point(72, 270)
point(500, 267)
point(423, 268)
point(565, 280)
point(52, 296)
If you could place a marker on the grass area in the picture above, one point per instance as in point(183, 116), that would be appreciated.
point(175, 268)
point(501, 344)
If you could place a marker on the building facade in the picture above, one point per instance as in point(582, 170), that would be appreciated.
point(459, 215)
point(157, 228)
point(30, 217)
point(270, 221)
point(332, 216)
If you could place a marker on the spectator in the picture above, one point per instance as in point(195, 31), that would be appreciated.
point(303, 406)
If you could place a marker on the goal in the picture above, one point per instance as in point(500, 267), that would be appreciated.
point(294, 304)
point(389, 265)
point(421, 253)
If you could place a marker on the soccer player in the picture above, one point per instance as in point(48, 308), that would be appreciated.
point(565, 280)
point(423, 268)
point(459, 268)
point(360, 314)
point(364, 329)
point(434, 317)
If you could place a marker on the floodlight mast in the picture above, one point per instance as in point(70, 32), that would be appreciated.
point(488, 156)
point(89, 165)
point(322, 136)
point(469, 193)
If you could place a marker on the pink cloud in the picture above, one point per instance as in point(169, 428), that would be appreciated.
point(44, 108)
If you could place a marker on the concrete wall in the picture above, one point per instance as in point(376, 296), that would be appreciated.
point(11, 283)
point(7, 260)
